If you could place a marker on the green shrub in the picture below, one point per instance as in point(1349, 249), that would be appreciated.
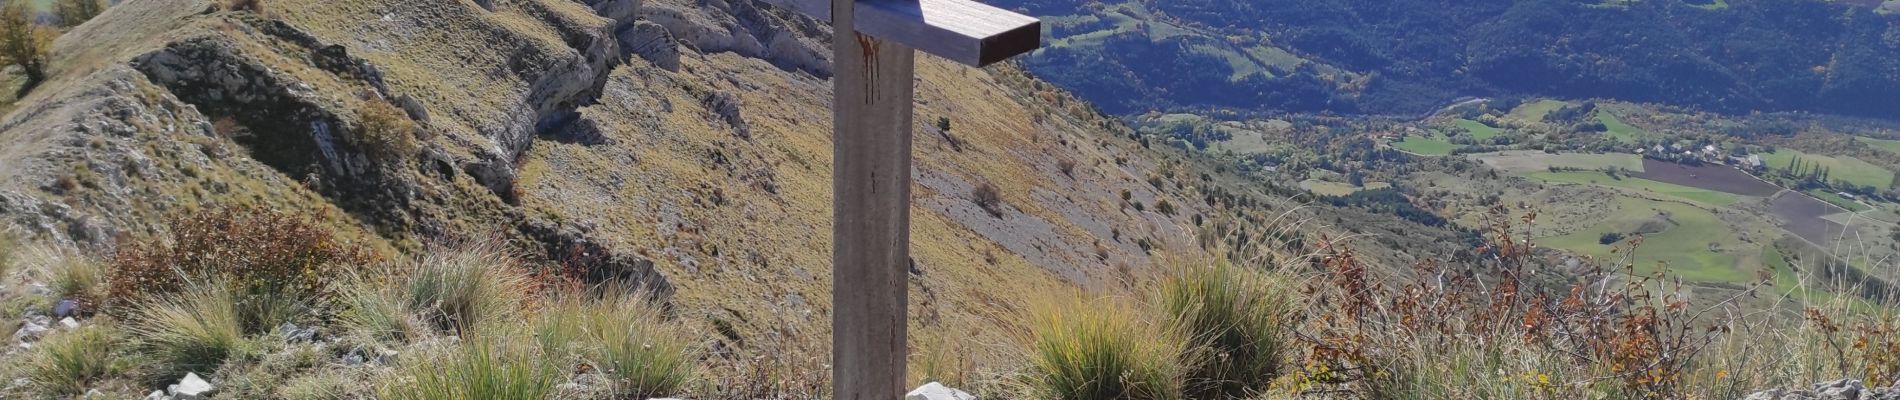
point(988, 198)
point(275, 262)
point(385, 132)
point(461, 289)
point(476, 368)
point(1103, 350)
point(191, 331)
point(69, 363)
point(1238, 320)
point(623, 335)
point(24, 43)
point(74, 12)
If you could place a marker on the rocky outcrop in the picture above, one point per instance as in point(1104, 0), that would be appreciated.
point(623, 11)
point(748, 28)
point(1845, 389)
point(652, 42)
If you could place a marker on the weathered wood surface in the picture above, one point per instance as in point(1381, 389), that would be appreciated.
point(964, 31)
point(871, 147)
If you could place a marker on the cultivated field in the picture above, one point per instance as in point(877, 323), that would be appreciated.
point(1712, 177)
point(1803, 216)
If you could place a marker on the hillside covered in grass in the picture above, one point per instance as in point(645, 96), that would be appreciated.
point(608, 199)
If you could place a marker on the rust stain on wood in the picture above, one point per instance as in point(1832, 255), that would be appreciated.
point(869, 46)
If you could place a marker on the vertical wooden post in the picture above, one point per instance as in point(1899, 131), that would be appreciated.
point(870, 236)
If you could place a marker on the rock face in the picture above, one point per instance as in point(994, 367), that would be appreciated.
point(624, 11)
point(1845, 389)
point(652, 42)
point(743, 27)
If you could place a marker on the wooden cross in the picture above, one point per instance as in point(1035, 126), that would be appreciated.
point(871, 115)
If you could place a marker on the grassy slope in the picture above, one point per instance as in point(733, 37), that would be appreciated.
point(743, 236)
point(1617, 128)
point(1535, 111)
point(1478, 130)
point(1888, 145)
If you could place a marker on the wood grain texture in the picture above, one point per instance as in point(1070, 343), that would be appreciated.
point(871, 184)
point(964, 31)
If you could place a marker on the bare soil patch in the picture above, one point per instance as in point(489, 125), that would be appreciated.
point(1804, 217)
point(1712, 177)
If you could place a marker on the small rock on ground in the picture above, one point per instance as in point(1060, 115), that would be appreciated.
point(937, 391)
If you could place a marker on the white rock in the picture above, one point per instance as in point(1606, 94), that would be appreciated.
point(191, 388)
point(70, 323)
point(937, 391)
point(30, 331)
point(156, 395)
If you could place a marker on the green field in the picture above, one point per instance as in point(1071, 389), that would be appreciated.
point(1246, 142)
point(1337, 188)
point(1617, 128)
point(1425, 146)
point(1684, 245)
point(1478, 129)
point(1839, 201)
point(1849, 169)
point(1535, 111)
point(1698, 195)
point(1888, 145)
point(1538, 161)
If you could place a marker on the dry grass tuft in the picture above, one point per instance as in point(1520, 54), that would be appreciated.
point(69, 363)
point(622, 334)
point(464, 289)
point(479, 367)
point(194, 330)
point(1238, 320)
point(1104, 349)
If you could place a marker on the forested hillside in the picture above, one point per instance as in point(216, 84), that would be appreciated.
point(1409, 57)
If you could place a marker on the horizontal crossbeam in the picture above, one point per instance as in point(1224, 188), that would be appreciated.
point(964, 31)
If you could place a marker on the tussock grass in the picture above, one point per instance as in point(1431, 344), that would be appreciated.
point(69, 363)
point(1238, 320)
point(493, 368)
point(75, 277)
point(1104, 349)
point(463, 288)
point(622, 334)
point(195, 330)
point(378, 310)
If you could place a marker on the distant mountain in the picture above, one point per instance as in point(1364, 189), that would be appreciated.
point(1408, 57)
